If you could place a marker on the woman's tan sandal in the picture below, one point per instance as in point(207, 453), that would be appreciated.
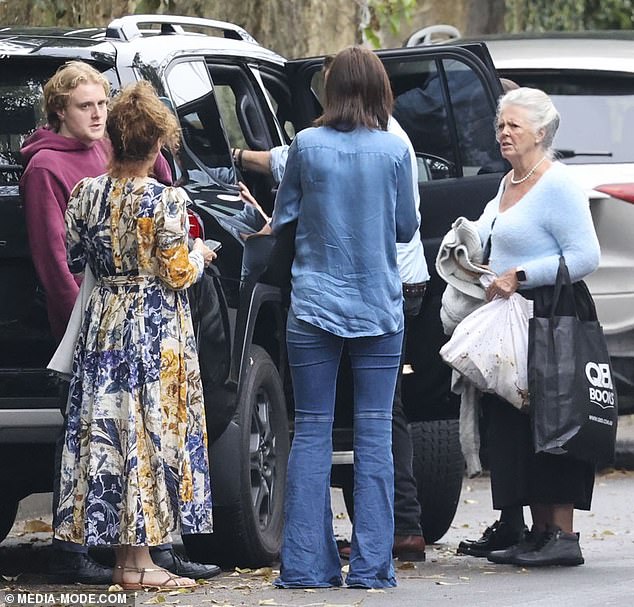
point(171, 581)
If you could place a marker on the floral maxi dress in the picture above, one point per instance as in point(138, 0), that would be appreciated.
point(134, 463)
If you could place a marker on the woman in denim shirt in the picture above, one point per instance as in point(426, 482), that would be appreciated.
point(348, 184)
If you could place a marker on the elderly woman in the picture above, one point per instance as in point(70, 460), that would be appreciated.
point(538, 214)
point(348, 184)
point(134, 464)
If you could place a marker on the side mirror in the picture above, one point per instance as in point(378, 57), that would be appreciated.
point(431, 168)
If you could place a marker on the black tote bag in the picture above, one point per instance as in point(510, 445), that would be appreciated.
point(573, 401)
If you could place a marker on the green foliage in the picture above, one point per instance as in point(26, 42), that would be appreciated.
point(386, 14)
point(609, 14)
point(568, 15)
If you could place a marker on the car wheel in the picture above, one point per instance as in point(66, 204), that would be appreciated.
point(438, 469)
point(248, 530)
point(8, 510)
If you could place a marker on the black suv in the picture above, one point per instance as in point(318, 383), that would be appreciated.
point(228, 91)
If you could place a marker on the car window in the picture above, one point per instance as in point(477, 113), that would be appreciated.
point(473, 117)
point(446, 112)
point(204, 156)
point(444, 108)
point(242, 106)
point(279, 98)
point(597, 113)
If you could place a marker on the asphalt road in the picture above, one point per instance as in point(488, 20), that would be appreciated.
point(607, 578)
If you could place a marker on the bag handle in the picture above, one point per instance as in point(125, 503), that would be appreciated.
point(563, 280)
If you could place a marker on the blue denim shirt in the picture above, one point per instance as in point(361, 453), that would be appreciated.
point(351, 194)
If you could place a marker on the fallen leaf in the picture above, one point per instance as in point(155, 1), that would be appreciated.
point(37, 526)
point(407, 565)
point(156, 600)
point(239, 570)
point(115, 588)
point(263, 571)
point(608, 532)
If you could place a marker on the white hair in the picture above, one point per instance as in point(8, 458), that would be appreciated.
point(541, 112)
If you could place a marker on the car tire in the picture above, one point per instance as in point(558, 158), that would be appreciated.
point(8, 511)
point(438, 468)
point(248, 529)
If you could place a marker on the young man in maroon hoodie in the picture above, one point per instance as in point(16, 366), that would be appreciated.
point(70, 147)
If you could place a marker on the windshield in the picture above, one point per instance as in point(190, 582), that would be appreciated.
point(597, 113)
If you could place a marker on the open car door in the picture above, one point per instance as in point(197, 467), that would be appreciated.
point(445, 99)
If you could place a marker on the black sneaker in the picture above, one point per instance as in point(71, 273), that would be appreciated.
point(555, 547)
point(496, 537)
point(78, 567)
point(179, 565)
point(526, 544)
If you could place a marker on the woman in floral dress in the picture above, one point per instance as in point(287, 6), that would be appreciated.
point(134, 465)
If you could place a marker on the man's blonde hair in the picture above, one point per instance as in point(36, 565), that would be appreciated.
point(67, 78)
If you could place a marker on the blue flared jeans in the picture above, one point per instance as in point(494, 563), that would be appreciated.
point(309, 556)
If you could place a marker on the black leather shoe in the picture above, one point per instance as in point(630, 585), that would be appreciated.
point(175, 563)
point(78, 567)
point(555, 547)
point(496, 537)
point(507, 556)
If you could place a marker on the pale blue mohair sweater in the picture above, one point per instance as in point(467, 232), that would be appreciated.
point(552, 219)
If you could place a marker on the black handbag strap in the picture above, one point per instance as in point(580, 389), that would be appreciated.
point(563, 280)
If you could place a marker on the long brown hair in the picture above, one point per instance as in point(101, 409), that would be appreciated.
point(357, 92)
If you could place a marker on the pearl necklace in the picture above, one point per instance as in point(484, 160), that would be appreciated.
point(529, 174)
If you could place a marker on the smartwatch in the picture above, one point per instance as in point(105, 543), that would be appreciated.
point(520, 274)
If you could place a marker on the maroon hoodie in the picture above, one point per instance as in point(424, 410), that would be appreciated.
point(53, 165)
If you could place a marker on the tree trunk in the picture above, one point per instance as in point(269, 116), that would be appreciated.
point(485, 17)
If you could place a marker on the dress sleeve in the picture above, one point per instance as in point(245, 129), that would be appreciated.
point(177, 267)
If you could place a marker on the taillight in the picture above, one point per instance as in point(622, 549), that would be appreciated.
point(196, 227)
point(622, 191)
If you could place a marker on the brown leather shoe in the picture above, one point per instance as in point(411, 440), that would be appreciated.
point(409, 548)
point(405, 548)
point(344, 551)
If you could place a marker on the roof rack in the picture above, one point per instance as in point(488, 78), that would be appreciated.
point(127, 28)
point(431, 33)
